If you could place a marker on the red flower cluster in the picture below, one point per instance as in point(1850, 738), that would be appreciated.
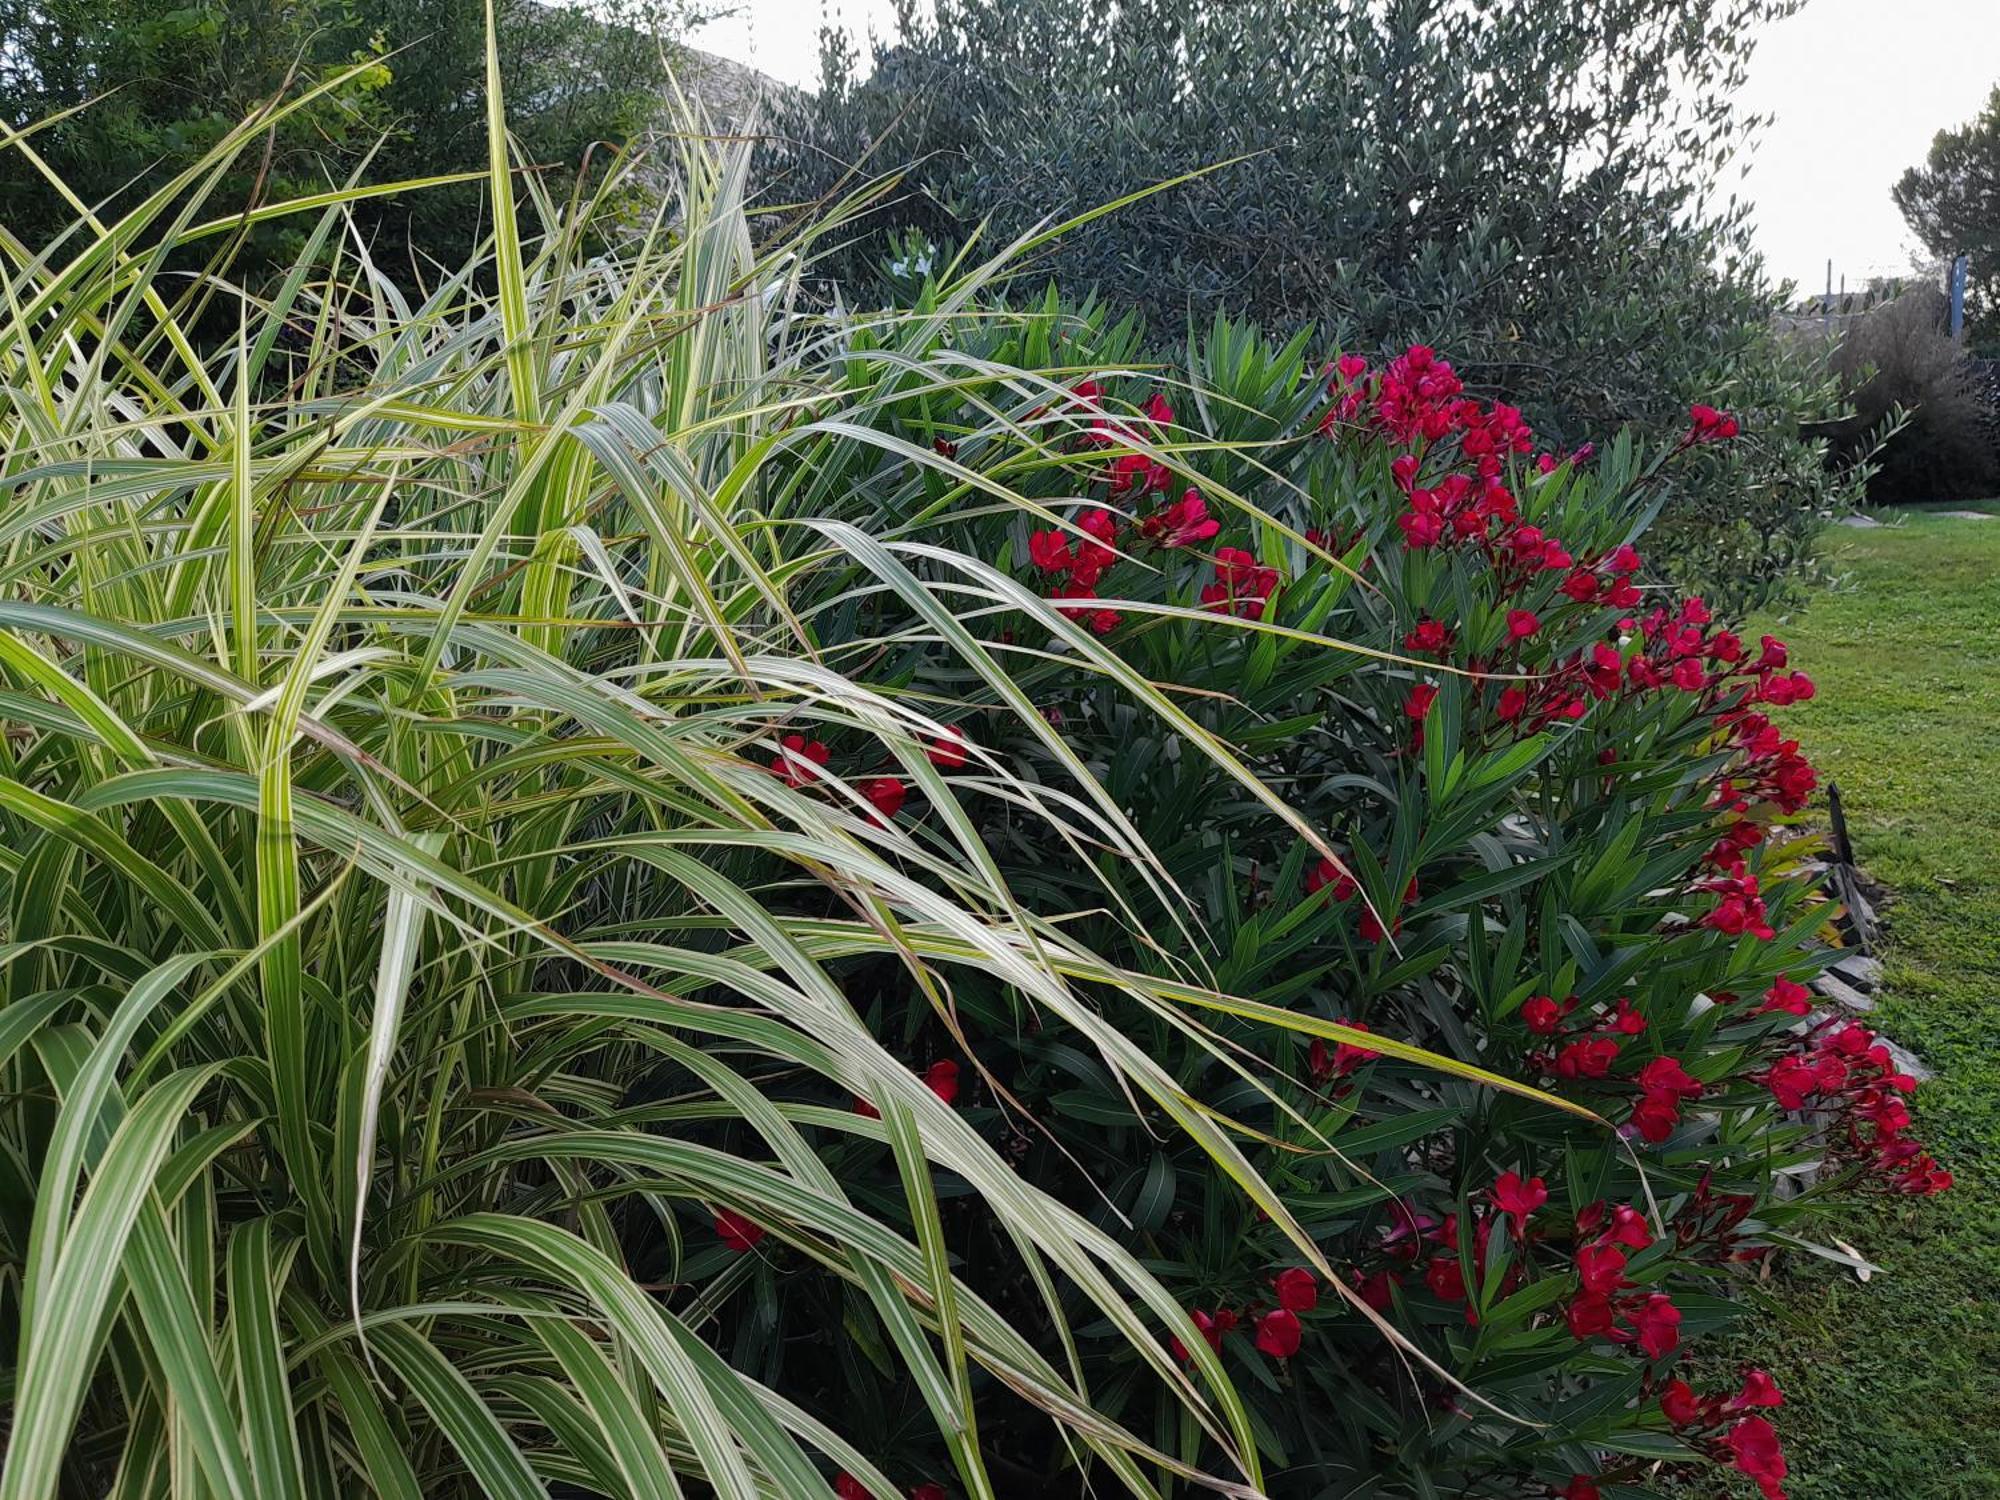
point(1077, 570)
point(1719, 1426)
point(1343, 1059)
point(941, 1078)
point(1594, 1045)
point(1707, 425)
point(1413, 1237)
point(1279, 1331)
point(847, 1487)
point(798, 760)
point(1182, 524)
point(1663, 1085)
point(1739, 907)
point(1653, 1322)
point(1845, 1069)
point(1605, 1297)
point(1241, 586)
point(735, 1231)
point(1517, 1199)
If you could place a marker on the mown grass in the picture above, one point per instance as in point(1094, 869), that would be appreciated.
point(1895, 1386)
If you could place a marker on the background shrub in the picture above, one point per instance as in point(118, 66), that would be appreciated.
point(1901, 368)
point(1535, 184)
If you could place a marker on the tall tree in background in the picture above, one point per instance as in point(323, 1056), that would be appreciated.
point(1539, 185)
point(1952, 202)
point(160, 84)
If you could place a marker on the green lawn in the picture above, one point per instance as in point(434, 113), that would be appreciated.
point(1895, 1386)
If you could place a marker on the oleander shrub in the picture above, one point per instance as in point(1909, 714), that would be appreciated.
point(1550, 808)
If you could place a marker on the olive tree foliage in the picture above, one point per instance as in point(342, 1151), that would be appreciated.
point(1952, 203)
point(1541, 187)
point(111, 92)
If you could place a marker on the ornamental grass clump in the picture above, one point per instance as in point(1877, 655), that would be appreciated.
point(616, 885)
point(456, 822)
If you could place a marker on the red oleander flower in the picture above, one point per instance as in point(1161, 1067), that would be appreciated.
point(1430, 638)
point(1623, 1019)
point(887, 794)
point(1210, 1329)
point(941, 1078)
point(1791, 1081)
point(1680, 1405)
point(1600, 1269)
point(1580, 1487)
point(1789, 996)
point(1421, 529)
point(1590, 1057)
point(1298, 1289)
point(847, 1487)
point(1241, 584)
point(1754, 1442)
point(1075, 598)
point(1628, 1228)
point(948, 750)
point(1182, 524)
point(1708, 425)
point(1522, 623)
point(1344, 1057)
point(1049, 551)
point(1326, 873)
point(1658, 1323)
point(1513, 703)
point(1157, 410)
point(1278, 1333)
point(1655, 1117)
point(1102, 527)
point(1446, 1277)
point(1352, 367)
point(1542, 1015)
point(1665, 1075)
point(1590, 1316)
point(1759, 1389)
point(1517, 1199)
point(1580, 585)
point(1418, 704)
point(1376, 1290)
point(735, 1231)
point(798, 760)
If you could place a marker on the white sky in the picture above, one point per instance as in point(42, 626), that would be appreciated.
point(1857, 88)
